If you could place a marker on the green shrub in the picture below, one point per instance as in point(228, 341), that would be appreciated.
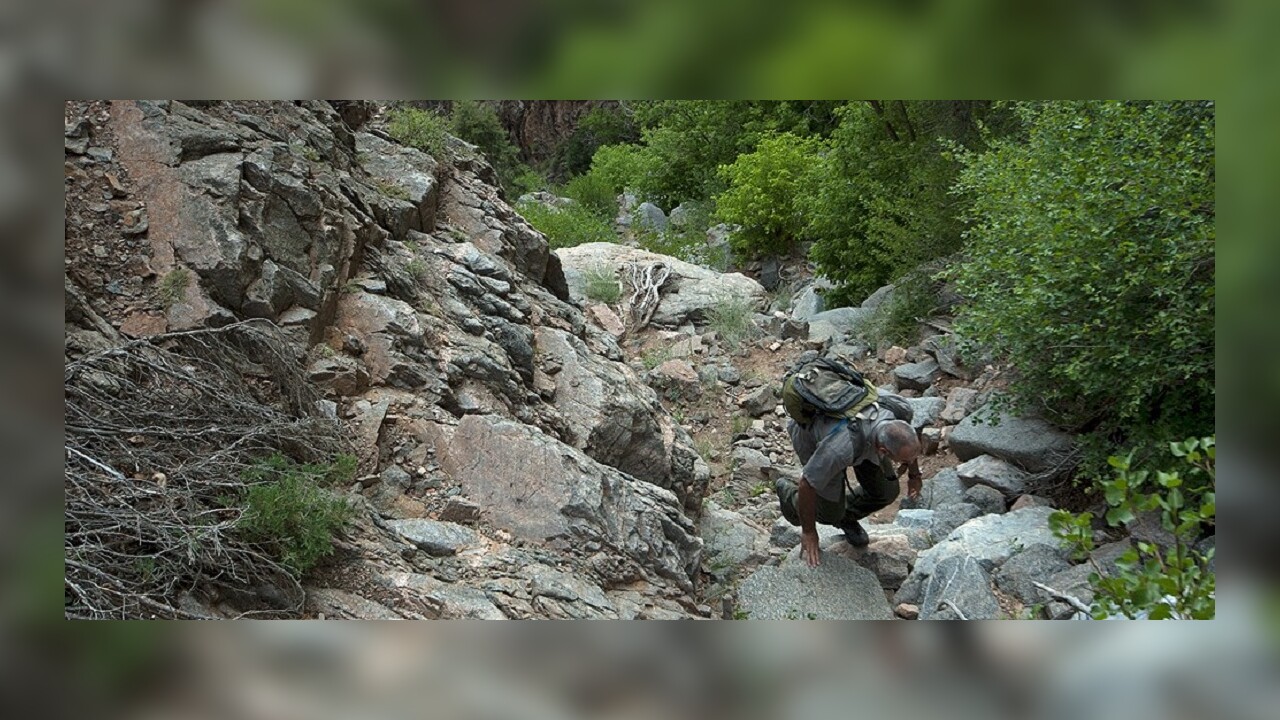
point(478, 124)
point(1178, 583)
point(733, 320)
point(422, 129)
point(593, 192)
point(526, 180)
point(1091, 265)
point(602, 285)
point(173, 286)
point(600, 126)
point(289, 512)
point(763, 191)
point(618, 166)
point(566, 227)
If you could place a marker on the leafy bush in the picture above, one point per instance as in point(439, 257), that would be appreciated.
point(763, 191)
point(618, 166)
point(733, 320)
point(1178, 583)
point(288, 511)
point(422, 129)
point(602, 285)
point(566, 227)
point(1091, 264)
point(526, 180)
point(593, 191)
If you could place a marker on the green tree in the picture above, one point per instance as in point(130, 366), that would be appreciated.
point(763, 191)
point(880, 202)
point(1091, 264)
point(606, 125)
point(478, 124)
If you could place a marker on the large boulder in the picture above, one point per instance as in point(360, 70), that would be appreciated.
point(991, 539)
point(1030, 443)
point(731, 540)
point(837, 325)
point(994, 473)
point(959, 589)
point(879, 297)
point(1018, 575)
point(917, 376)
point(689, 294)
point(649, 217)
point(838, 589)
point(541, 490)
point(925, 411)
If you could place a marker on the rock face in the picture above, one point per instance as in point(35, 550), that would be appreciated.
point(991, 539)
point(539, 489)
point(959, 589)
point(994, 473)
point(838, 589)
point(1030, 443)
point(688, 295)
point(732, 541)
point(917, 376)
point(438, 325)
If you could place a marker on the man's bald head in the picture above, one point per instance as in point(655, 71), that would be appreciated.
point(898, 440)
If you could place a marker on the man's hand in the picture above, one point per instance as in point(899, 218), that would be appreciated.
point(914, 484)
point(809, 548)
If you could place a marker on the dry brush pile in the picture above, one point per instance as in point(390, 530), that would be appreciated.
point(163, 436)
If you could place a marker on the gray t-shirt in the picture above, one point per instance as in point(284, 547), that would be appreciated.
point(829, 445)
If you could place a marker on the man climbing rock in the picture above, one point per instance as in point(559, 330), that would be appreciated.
point(870, 441)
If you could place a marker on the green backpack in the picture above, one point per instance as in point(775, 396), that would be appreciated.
point(824, 386)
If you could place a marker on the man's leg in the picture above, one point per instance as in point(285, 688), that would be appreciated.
point(830, 512)
point(876, 489)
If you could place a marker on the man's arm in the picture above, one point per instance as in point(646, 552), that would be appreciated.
point(807, 508)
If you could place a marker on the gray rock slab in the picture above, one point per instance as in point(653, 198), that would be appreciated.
point(838, 324)
point(730, 540)
point(917, 376)
point(992, 539)
point(838, 589)
point(942, 489)
point(915, 518)
point(553, 583)
point(1030, 443)
point(987, 499)
point(949, 517)
point(959, 588)
point(995, 473)
point(435, 537)
point(1035, 564)
point(925, 411)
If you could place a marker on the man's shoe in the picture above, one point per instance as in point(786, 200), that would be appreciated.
point(854, 534)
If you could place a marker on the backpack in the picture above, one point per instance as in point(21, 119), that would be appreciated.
point(824, 386)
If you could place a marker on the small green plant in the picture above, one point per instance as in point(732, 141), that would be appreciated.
point(310, 153)
point(391, 190)
point(706, 450)
point(738, 424)
point(172, 287)
point(421, 129)
point(288, 511)
point(566, 227)
point(602, 285)
point(655, 357)
point(759, 489)
point(732, 320)
point(417, 267)
point(1150, 584)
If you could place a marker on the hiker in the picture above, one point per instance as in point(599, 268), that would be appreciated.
point(871, 436)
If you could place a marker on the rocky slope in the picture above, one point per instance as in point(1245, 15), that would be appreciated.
point(523, 450)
